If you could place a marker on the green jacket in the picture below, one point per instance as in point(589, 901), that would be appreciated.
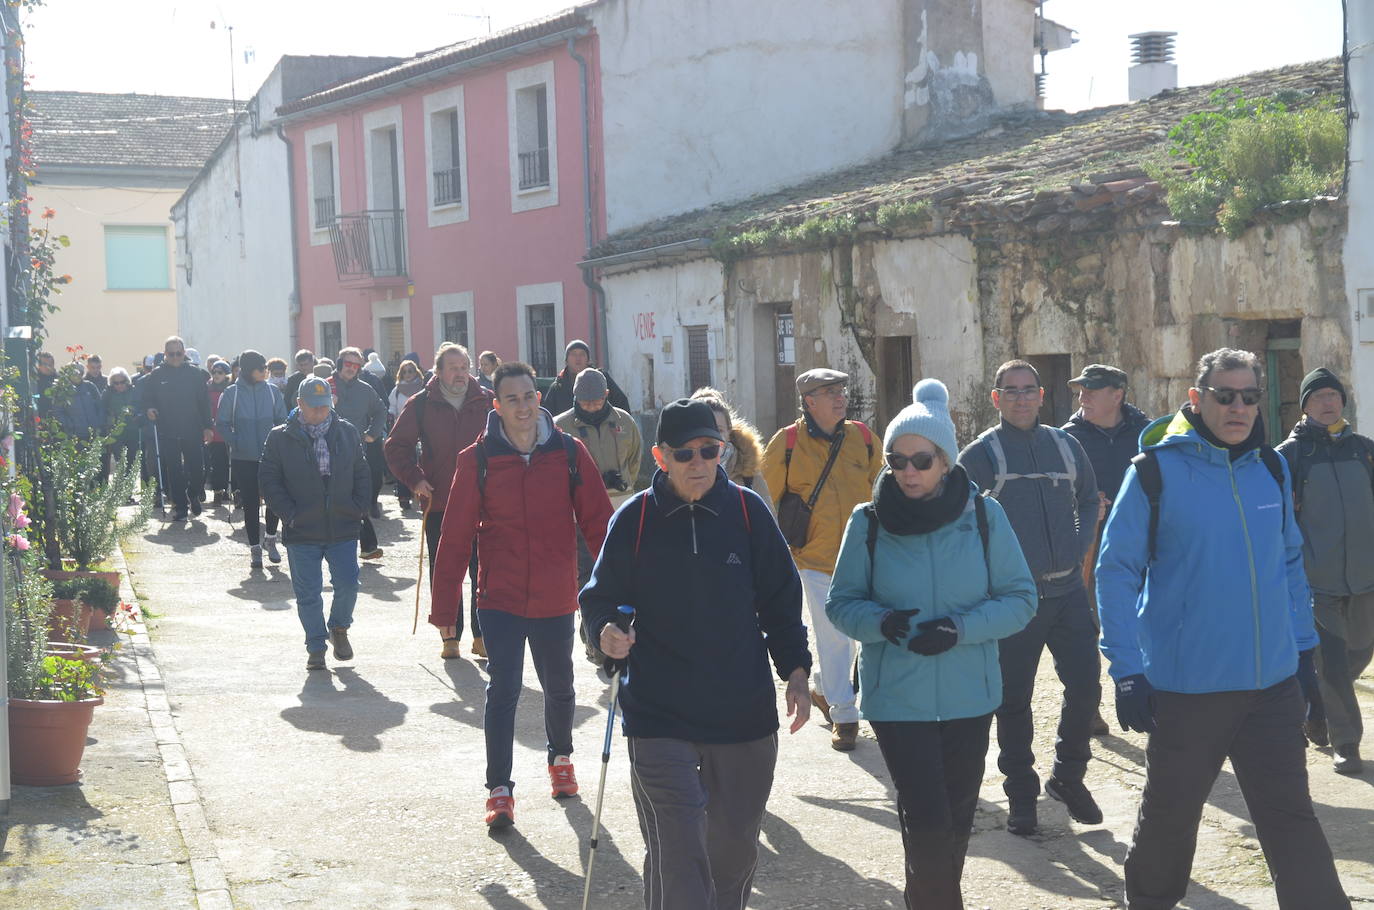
point(1335, 499)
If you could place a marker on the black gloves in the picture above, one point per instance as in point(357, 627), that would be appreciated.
point(936, 637)
point(614, 480)
point(1135, 704)
point(1315, 727)
point(895, 625)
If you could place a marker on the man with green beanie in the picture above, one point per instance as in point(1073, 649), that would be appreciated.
point(1333, 488)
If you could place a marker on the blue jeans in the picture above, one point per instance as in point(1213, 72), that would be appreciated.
point(551, 641)
point(307, 578)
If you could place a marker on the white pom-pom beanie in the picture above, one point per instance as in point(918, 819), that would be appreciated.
point(928, 416)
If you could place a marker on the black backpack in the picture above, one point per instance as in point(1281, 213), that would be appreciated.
point(569, 449)
point(980, 512)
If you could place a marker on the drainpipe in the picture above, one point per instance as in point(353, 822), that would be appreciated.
point(596, 309)
point(294, 304)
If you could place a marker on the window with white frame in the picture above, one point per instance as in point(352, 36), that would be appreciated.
point(532, 135)
point(444, 153)
point(542, 327)
point(331, 339)
point(386, 169)
point(454, 327)
point(698, 357)
point(324, 204)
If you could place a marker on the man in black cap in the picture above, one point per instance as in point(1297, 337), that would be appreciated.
point(1109, 431)
point(1333, 469)
point(576, 358)
point(716, 595)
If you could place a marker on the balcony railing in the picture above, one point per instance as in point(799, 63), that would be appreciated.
point(448, 186)
point(324, 211)
point(534, 169)
point(369, 244)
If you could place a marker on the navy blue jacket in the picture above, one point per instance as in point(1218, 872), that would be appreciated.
point(1110, 451)
point(714, 599)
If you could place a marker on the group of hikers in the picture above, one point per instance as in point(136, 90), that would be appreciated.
point(1226, 582)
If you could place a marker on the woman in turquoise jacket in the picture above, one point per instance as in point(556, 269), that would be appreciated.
point(927, 591)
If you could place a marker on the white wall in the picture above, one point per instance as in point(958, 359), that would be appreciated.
point(704, 102)
point(238, 292)
point(1359, 266)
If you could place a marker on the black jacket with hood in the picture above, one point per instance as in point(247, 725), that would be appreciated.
point(314, 509)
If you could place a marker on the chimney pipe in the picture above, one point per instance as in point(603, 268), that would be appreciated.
point(1153, 70)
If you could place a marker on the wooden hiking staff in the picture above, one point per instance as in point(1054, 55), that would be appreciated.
point(420, 575)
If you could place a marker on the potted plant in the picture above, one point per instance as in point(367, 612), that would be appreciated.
point(48, 724)
point(82, 604)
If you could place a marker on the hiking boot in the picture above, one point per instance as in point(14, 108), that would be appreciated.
point(821, 704)
point(1076, 798)
point(269, 543)
point(1022, 818)
point(1099, 727)
point(375, 553)
point(479, 649)
point(180, 514)
point(1347, 760)
point(342, 649)
point(255, 557)
point(195, 505)
point(314, 660)
point(561, 777)
point(500, 808)
point(1316, 732)
point(844, 736)
point(450, 650)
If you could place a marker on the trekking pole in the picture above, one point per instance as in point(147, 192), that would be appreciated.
point(420, 573)
point(622, 621)
point(161, 487)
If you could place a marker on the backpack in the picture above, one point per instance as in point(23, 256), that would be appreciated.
point(1152, 484)
point(569, 449)
point(998, 456)
point(980, 512)
point(1300, 465)
point(792, 441)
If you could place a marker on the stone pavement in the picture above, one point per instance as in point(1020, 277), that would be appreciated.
point(247, 782)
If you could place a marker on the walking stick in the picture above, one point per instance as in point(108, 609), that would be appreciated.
point(617, 672)
point(420, 573)
point(161, 487)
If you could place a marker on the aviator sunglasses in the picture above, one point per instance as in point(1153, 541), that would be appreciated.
point(921, 461)
point(709, 452)
point(1226, 396)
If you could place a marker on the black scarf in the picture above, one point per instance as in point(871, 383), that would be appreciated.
point(1253, 441)
point(900, 514)
point(594, 418)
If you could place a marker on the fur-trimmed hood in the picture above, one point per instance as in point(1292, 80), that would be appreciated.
point(748, 451)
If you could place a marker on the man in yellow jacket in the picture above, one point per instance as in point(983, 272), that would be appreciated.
point(826, 463)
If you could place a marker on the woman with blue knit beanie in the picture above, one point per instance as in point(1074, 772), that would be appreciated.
point(929, 577)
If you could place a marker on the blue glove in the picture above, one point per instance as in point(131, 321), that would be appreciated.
point(1311, 690)
point(1135, 704)
point(896, 624)
point(936, 637)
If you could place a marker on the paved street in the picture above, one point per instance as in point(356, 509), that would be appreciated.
point(363, 787)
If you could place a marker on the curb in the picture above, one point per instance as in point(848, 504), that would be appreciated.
point(207, 873)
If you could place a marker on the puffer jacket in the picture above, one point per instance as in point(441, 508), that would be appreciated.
point(614, 445)
point(440, 431)
point(523, 520)
point(247, 413)
point(1110, 451)
point(559, 397)
point(311, 510)
point(849, 484)
point(1332, 481)
point(83, 416)
point(1225, 605)
point(746, 468)
point(941, 573)
point(1055, 521)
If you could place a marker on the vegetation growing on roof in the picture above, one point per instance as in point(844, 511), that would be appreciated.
point(822, 230)
point(1248, 153)
point(897, 216)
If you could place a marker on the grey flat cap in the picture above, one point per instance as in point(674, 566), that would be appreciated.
point(820, 377)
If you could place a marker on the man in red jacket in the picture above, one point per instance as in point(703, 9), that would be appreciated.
point(523, 490)
point(444, 418)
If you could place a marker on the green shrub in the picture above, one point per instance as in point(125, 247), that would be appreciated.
point(86, 513)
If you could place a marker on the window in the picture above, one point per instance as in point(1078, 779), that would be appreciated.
point(331, 339)
point(698, 357)
point(322, 183)
point(787, 343)
point(444, 141)
point(136, 258)
point(386, 173)
point(543, 338)
point(455, 327)
point(532, 132)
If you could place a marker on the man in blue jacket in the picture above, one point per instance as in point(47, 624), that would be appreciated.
point(1207, 624)
point(716, 594)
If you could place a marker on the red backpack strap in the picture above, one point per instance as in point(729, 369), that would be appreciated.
point(867, 435)
point(791, 442)
point(643, 507)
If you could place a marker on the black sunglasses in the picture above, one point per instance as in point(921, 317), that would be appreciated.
point(119, 382)
point(1227, 396)
point(709, 452)
point(921, 461)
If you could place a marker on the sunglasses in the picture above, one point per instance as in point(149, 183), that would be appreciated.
point(176, 354)
point(119, 382)
point(921, 461)
point(1227, 396)
point(708, 452)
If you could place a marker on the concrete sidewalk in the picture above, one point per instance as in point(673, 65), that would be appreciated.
point(250, 783)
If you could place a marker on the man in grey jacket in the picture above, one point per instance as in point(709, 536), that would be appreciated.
point(356, 401)
point(1333, 482)
point(1044, 482)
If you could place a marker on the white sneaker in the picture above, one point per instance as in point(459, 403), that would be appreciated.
point(269, 543)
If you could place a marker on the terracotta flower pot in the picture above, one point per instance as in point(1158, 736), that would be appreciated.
point(73, 616)
point(74, 651)
point(47, 739)
point(111, 576)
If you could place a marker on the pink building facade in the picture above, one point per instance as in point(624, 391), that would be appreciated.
point(450, 198)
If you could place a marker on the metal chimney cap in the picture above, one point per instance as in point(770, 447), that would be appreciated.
point(1152, 47)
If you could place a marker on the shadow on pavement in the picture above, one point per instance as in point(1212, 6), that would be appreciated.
point(358, 713)
point(270, 587)
point(32, 809)
point(878, 812)
point(470, 686)
point(612, 874)
point(787, 863)
point(382, 586)
point(554, 886)
point(183, 537)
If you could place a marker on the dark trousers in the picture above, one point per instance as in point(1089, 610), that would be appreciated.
point(1064, 625)
point(700, 808)
point(217, 460)
point(1261, 733)
point(937, 767)
point(246, 475)
point(149, 469)
point(1345, 630)
point(183, 465)
point(376, 464)
point(432, 526)
point(550, 641)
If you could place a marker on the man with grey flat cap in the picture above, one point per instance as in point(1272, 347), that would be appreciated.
point(819, 468)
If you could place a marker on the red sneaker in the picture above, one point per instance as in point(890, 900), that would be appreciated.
point(500, 808)
point(561, 777)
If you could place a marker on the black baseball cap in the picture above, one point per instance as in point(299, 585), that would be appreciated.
point(1100, 376)
point(686, 419)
